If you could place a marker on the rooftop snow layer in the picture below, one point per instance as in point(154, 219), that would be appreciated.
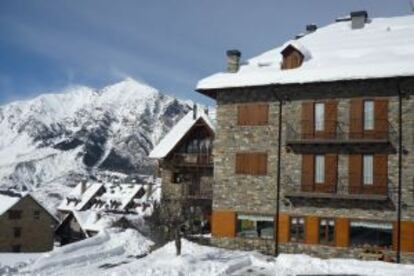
point(383, 48)
point(177, 132)
point(83, 199)
point(8, 200)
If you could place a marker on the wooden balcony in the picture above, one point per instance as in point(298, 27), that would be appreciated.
point(193, 159)
point(340, 136)
point(344, 188)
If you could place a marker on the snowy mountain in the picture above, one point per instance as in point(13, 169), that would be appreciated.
point(48, 143)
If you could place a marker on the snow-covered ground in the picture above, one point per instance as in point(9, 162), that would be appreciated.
point(123, 253)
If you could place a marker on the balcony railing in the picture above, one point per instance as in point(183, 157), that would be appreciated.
point(333, 131)
point(193, 159)
point(345, 187)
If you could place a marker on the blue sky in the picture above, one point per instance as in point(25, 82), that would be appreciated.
point(47, 45)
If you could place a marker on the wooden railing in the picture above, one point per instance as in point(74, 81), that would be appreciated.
point(193, 159)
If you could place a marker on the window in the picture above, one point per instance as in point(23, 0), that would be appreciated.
point(327, 231)
point(16, 248)
point(368, 115)
point(368, 169)
point(319, 169)
point(252, 114)
point(177, 178)
point(17, 232)
point(251, 163)
point(319, 116)
point(15, 214)
point(250, 226)
point(363, 233)
point(36, 214)
point(297, 229)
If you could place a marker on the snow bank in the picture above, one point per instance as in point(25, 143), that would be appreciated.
point(87, 255)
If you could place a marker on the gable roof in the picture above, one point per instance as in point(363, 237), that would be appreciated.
point(175, 135)
point(384, 47)
point(9, 198)
point(81, 198)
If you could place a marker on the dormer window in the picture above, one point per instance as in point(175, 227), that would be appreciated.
point(292, 58)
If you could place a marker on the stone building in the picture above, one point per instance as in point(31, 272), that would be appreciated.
point(335, 95)
point(186, 169)
point(25, 225)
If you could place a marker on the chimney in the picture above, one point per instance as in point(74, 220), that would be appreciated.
point(194, 111)
point(311, 28)
point(358, 19)
point(233, 61)
point(83, 186)
point(206, 110)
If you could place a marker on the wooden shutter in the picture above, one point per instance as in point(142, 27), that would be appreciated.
point(331, 114)
point(381, 118)
point(407, 236)
point(380, 173)
point(312, 230)
point(251, 163)
point(223, 223)
point(331, 173)
point(342, 232)
point(308, 177)
point(356, 118)
point(283, 228)
point(308, 120)
point(355, 173)
point(253, 114)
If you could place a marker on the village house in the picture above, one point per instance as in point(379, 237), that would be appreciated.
point(93, 206)
point(25, 225)
point(328, 118)
point(186, 169)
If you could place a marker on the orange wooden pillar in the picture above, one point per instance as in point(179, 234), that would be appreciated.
point(284, 226)
point(312, 230)
point(223, 223)
point(342, 232)
point(407, 236)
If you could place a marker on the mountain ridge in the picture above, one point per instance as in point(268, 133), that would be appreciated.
point(47, 143)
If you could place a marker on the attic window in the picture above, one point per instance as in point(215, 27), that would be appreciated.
point(292, 58)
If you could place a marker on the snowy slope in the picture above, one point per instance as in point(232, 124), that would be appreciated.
point(55, 139)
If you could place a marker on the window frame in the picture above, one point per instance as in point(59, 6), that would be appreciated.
point(36, 214)
point(265, 219)
point(368, 221)
point(319, 171)
point(319, 119)
point(324, 238)
point(368, 120)
point(17, 232)
point(365, 174)
point(14, 214)
point(296, 231)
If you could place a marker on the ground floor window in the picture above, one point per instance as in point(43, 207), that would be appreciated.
point(369, 233)
point(297, 229)
point(251, 226)
point(326, 231)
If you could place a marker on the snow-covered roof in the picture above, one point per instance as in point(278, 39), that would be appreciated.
point(109, 196)
point(93, 221)
point(177, 133)
point(76, 200)
point(8, 199)
point(384, 47)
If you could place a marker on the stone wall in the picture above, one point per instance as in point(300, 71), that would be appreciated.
point(257, 194)
point(37, 235)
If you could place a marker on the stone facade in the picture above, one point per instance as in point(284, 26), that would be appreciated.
point(247, 194)
point(36, 230)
